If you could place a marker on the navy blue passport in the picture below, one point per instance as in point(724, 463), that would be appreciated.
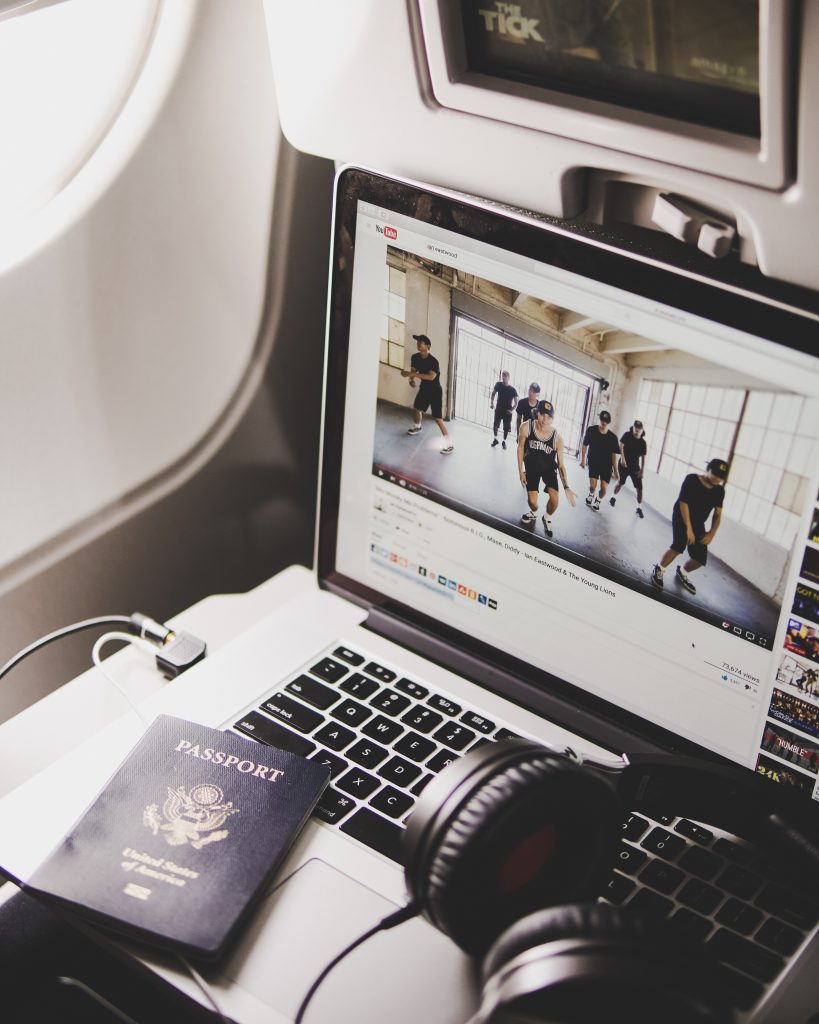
point(184, 837)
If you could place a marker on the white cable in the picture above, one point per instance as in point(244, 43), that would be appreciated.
point(128, 638)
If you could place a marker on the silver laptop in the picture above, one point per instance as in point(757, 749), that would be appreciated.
point(483, 369)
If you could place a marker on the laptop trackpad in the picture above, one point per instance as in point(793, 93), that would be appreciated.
point(410, 973)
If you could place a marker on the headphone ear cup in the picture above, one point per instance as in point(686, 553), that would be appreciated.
point(586, 962)
point(529, 834)
point(569, 921)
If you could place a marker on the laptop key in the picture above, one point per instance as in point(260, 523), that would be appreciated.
point(359, 686)
point(739, 881)
point(661, 876)
point(746, 956)
point(399, 771)
point(317, 694)
point(292, 712)
point(351, 657)
point(440, 760)
point(385, 675)
point(333, 806)
point(506, 734)
point(699, 895)
point(358, 783)
point(630, 859)
point(733, 851)
point(664, 844)
point(422, 719)
point(412, 688)
point(787, 905)
point(260, 728)
point(383, 729)
point(335, 763)
point(740, 990)
point(477, 722)
point(691, 830)
point(456, 737)
point(690, 925)
point(330, 670)
point(415, 746)
point(421, 784)
point(351, 712)
point(701, 863)
point(634, 826)
point(779, 937)
point(376, 832)
point(651, 905)
point(390, 702)
point(618, 889)
point(392, 802)
point(482, 742)
point(739, 916)
point(449, 707)
point(367, 754)
point(336, 737)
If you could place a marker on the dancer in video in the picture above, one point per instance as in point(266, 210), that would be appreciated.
point(506, 397)
point(527, 407)
point(540, 458)
point(602, 448)
point(700, 496)
point(632, 463)
point(426, 370)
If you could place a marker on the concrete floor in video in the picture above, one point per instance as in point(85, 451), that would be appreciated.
point(485, 480)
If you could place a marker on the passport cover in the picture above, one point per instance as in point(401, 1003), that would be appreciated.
point(184, 836)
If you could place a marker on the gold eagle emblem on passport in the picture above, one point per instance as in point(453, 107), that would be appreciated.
point(194, 817)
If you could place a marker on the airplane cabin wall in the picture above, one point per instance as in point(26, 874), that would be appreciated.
point(160, 335)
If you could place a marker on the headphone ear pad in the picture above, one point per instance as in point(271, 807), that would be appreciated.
point(594, 961)
point(535, 832)
point(571, 921)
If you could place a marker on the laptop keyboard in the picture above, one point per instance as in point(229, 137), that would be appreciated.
point(385, 736)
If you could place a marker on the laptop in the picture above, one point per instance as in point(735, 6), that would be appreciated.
point(518, 418)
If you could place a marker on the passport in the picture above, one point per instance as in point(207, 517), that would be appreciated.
point(184, 838)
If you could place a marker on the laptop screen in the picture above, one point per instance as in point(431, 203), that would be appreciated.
point(591, 464)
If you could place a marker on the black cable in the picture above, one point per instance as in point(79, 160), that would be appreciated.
point(177, 651)
point(404, 914)
point(76, 627)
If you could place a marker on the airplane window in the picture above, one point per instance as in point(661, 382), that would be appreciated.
point(65, 72)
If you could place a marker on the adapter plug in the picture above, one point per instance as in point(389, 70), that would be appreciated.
point(179, 652)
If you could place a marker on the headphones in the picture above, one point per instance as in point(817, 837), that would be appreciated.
point(509, 846)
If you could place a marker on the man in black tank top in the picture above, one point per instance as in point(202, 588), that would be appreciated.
point(540, 458)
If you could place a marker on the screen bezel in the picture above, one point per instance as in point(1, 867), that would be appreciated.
point(773, 312)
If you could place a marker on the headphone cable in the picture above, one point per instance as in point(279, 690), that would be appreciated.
point(390, 921)
point(76, 627)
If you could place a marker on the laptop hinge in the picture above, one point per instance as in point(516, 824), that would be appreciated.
point(526, 693)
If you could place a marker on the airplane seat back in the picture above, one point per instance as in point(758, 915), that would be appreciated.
point(682, 118)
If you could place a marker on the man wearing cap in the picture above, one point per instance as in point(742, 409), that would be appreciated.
point(632, 463)
point(700, 495)
point(507, 399)
point(527, 407)
point(601, 445)
point(540, 457)
point(426, 369)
